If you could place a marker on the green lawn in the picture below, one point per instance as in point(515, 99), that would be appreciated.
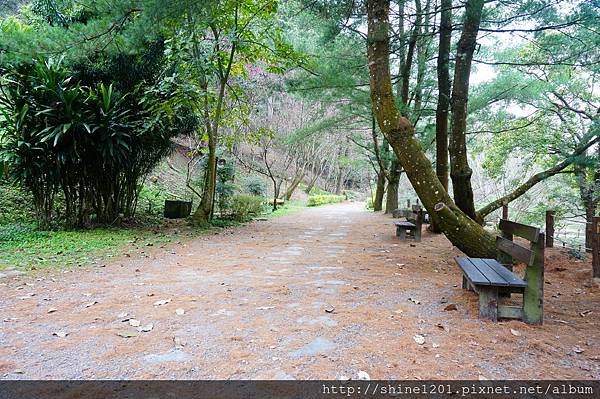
point(22, 247)
point(289, 208)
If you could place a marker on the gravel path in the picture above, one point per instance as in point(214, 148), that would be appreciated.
point(325, 293)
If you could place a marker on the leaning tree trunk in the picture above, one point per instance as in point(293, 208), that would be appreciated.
point(459, 163)
point(294, 185)
point(462, 231)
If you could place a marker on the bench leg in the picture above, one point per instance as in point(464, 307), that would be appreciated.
point(465, 284)
point(488, 303)
point(418, 233)
point(402, 234)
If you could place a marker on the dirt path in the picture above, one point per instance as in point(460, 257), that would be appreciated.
point(257, 302)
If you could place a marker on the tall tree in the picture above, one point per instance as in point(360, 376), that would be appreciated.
point(444, 86)
point(462, 231)
point(459, 164)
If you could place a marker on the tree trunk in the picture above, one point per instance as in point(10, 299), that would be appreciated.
point(379, 191)
point(295, 182)
point(532, 181)
point(311, 184)
point(391, 201)
point(462, 231)
point(204, 212)
point(443, 105)
point(459, 164)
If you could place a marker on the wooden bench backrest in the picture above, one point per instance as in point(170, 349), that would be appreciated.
point(515, 251)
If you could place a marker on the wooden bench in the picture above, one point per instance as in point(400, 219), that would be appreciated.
point(411, 228)
point(493, 278)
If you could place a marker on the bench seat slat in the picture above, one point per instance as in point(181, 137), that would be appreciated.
point(405, 224)
point(471, 272)
point(512, 279)
point(489, 272)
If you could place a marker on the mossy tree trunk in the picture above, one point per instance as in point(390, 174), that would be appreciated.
point(462, 231)
point(379, 191)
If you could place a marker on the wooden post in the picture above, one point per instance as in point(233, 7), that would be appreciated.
point(596, 246)
point(505, 211)
point(533, 297)
point(550, 229)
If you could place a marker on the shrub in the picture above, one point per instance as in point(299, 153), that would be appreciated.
point(89, 144)
point(255, 185)
point(317, 200)
point(245, 206)
point(15, 205)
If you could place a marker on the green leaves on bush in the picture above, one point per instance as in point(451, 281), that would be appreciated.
point(244, 207)
point(84, 140)
point(317, 200)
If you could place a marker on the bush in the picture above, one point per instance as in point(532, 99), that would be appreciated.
point(15, 205)
point(151, 200)
point(317, 200)
point(255, 185)
point(86, 142)
point(245, 206)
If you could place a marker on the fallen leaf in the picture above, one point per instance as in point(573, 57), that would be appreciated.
point(60, 334)
point(363, 375)
point(585, 313)
point(419, 339)
point(515, 332)
point(127, 334)
point(265, 307)
point(451, 307)
point(52, 310)
point(329, 309)
point(146, 328)
point(179, 342)
point(162, 302)
point(578, 349)
point(87, 305)
point(18, 371)
point(443, 300)
point(134, 323)
point(180, 311)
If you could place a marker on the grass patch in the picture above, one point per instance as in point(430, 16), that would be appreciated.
point(287, 209)
point(318, 200)
point(23, 247)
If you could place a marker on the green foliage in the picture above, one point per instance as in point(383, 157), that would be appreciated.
point(91, 143)
point(22, 246)
point(151, 200)
point(317, 200)
point(15, 205)
point(254, 185)
point(244, 207)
